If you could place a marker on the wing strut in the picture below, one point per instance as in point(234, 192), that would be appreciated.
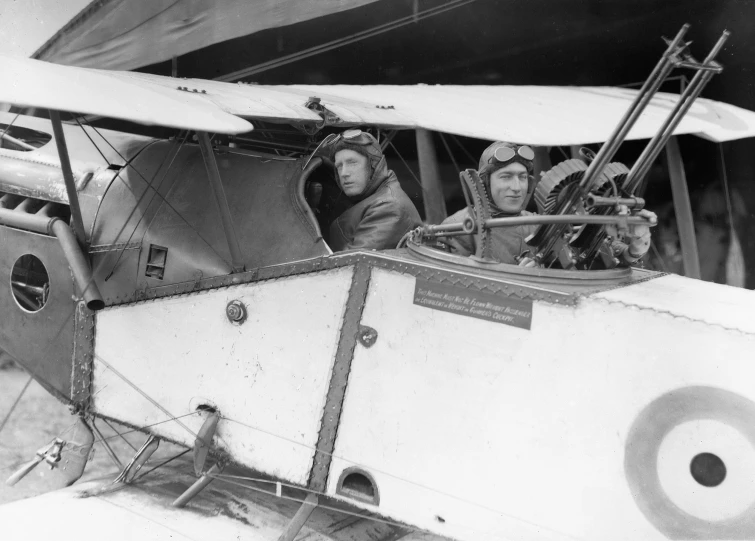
point(682, 209)
point(213, 173)
point(432, 196)
point(300, 518)
point(77, 221)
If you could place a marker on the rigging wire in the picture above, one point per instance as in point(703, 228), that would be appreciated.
point(220, 477)
point(15, 403)
point(658, 255)
point(118, 433)
point(725, 178)
point(92, 141)
point(108, 449)
point(36, 366)
point(9, 125)
point(348, 40)
point(179, 455)
point(145, 395)
point(463, 148)
point(231, 481)
point(156, 192)
point(419, 183)
point(388, 474)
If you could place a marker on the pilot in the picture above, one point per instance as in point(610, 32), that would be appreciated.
point(506, 169)
point(382, 212)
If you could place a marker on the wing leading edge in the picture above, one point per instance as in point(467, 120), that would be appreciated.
point(537, 115)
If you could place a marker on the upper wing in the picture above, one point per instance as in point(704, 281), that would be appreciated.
point(32, 83)
point(537, 115)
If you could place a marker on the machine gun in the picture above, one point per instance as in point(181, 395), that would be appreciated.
point(578, 198)
point(608, 189)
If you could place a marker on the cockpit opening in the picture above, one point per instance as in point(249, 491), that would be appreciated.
point(22, 139)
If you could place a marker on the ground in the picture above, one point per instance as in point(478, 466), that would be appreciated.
point(36, 420)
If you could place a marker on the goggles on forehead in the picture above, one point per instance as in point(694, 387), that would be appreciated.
point(354, 136)
point(504, 154)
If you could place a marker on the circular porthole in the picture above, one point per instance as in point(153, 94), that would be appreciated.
point(30, 283)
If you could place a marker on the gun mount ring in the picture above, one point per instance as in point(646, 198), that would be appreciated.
point(236, 312)
point(468, 225)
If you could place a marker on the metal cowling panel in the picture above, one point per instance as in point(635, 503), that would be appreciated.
point(41, 341)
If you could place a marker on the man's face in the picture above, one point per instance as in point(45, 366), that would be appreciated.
point(508, 187)
point(353, 171)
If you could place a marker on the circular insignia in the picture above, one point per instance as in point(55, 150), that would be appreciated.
point(690, 464)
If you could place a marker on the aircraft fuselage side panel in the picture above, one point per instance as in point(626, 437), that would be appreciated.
point(41, 340)
point(587, 419)
point(267, 376)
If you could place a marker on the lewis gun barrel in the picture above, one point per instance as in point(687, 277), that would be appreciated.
point(583, 188)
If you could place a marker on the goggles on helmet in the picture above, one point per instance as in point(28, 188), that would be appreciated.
point(354, 137)
point(505, 153)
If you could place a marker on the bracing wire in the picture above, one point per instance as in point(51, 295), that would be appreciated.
point(727, 194)
point(92, 141)
point(9, 125)
point(15, 403)
point(235, 480)
point(419, 183)
point(464, 149)
point(156, 192)
point(171, 459)
point(118, 433)
point(145, 395)
point(341, 42)
point(388, 474)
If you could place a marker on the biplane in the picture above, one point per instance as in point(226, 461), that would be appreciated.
point(183, 285)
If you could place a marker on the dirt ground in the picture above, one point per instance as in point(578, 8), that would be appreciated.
point(36, 421)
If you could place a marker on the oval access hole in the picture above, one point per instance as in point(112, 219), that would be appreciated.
point(30, 283)
point(359, 485)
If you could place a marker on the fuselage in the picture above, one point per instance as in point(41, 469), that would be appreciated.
point(470, 400)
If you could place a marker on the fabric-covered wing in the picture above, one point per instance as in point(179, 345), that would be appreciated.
point(128, 35)
point(32, 83)
point(537, 115)
point(96, 510)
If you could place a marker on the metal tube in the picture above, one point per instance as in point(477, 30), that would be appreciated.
point(82, 272)
point(17, 142)
point(598, 201)
point(197, 487)
point(690, 94)
point(22, 220)
point(213, 173)
point(683, 210)
point(649, 88)
point(77, 222)
point(300, 518)
point(432, 194)
point(575, 219)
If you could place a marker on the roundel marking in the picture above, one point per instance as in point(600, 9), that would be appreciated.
point(690, 464)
